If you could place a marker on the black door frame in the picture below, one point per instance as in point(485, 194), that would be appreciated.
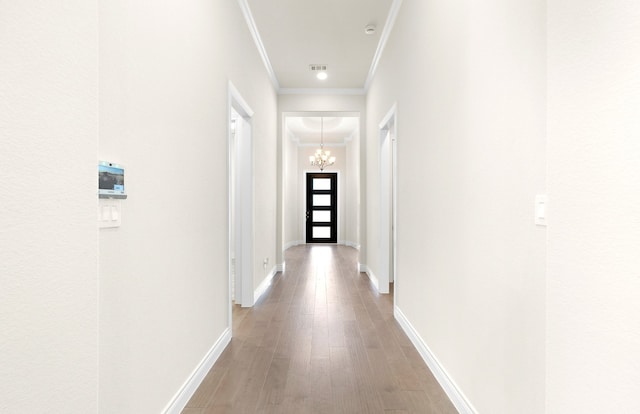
point(333, 192)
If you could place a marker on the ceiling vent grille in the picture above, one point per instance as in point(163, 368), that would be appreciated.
point(316, 67)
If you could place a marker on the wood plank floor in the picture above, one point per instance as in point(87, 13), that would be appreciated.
point(321, 340)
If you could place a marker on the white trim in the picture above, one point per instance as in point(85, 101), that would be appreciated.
point(447, 383)
point(322, 91)
point(386, 32)
point(387, 165)
point(318, 114)
point(236, 102)
point(353, 135)
point(372, 277)
point(327, 145)
point(281, 267)
point(350, 244)
point(248, 17)
point(292, 244)
point(182, 397)
point(264, 285)
point(391, 113)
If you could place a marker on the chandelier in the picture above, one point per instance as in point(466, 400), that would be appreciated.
point(322, 158)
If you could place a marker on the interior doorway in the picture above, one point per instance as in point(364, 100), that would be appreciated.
point(322, 208)
point(240, 198)
point(302, 135)
point(388, 184)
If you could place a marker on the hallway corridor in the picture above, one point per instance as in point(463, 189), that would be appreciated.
point(321, 340)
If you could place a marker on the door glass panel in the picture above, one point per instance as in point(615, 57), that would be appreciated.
point(322, 184)
point(321, 216)
point(321, 200)
point(322, 232)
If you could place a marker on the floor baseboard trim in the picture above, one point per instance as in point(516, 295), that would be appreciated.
point(454, 393)
point(372, 277)
point(351, 244)
point(292, 244)
point(264, 285)
point(185, 393)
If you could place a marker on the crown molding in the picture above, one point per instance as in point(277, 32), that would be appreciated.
point(325, 144)
point(262, 51)
point(386, 32)
point(321, 91)
point(248, 17)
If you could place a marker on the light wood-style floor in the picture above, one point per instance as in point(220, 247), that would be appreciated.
point(321, 340)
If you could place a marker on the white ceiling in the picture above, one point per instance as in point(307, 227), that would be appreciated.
point(293, 34)
point(335, 130)
point(297, 33)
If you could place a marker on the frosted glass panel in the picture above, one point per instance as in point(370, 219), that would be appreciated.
point(321, 216)
point(322, 184)
point(321, 200)
point(321, 232)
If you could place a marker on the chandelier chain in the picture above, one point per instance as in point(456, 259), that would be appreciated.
point(322, 158)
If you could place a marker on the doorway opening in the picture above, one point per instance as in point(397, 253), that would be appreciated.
point(302, 134)
point(240, 198)
point(322, 208)
point(388, 184)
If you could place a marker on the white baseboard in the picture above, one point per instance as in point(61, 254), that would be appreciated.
point(350, 244)
point(454, 393)
point(264, 285)
point(185, 393)
point(343, 242)
point(291, 244)
point(280, 267)
point(372, 277)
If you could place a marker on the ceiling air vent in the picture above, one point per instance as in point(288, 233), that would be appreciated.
point(316, 67)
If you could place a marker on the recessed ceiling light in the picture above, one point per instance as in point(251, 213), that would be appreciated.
point(320, 70)
point(370, 29)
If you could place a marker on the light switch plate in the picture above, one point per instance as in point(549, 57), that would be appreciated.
point(109, 212)
point(540, 210)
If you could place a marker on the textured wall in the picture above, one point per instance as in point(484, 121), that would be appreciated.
point(164, 72)
point(593, 345)
point(48, 229)
point(469, 81)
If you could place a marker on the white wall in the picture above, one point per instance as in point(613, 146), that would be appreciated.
point(470, 92)
point(164, 72)
point(292, 188)
point(354, 193)
point(48, 229)
point(593, 348)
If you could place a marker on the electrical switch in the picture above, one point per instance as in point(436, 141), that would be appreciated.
point(541, 210)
